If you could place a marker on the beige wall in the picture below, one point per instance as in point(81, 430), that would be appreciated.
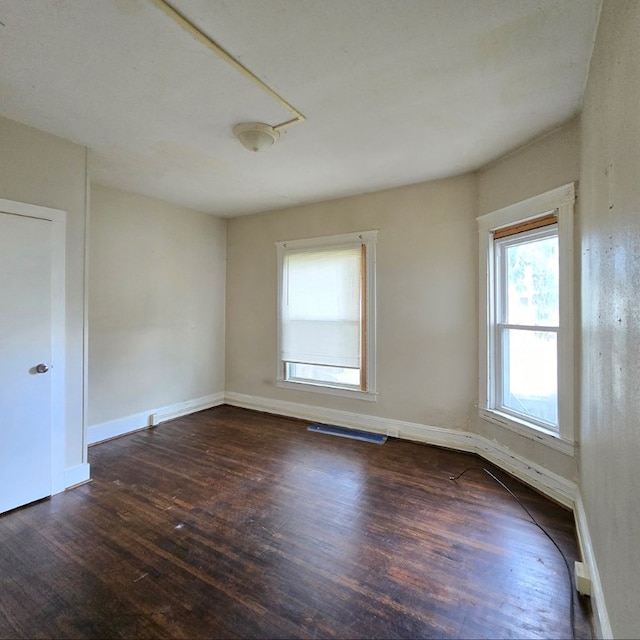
point(157, 294)
point(426, 299)
point(38, 168)
point(610, 230)
point(548, 162)
point(156, 305)
point(545, 163)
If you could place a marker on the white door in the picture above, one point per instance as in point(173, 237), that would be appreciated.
point(26, 251)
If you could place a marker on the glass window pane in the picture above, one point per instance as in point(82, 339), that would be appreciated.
point(532, 274)
point(317, 373)
point(530, 380)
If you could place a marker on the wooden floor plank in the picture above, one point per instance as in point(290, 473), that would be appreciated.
point(236, 524)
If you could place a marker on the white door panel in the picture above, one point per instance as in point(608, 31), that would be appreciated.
point(25, 342)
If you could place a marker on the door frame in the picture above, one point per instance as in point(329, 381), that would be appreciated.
point(58, 221)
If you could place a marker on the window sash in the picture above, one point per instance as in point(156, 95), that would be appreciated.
point(337, 377)
point(502, 375)
point(501, 247)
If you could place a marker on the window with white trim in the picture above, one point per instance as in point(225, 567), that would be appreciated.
point(526, 317)
point(326, 307)
point(527, 323)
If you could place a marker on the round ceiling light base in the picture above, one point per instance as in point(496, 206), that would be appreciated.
point(255, 136)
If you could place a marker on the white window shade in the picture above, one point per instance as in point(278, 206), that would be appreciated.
point(321, 306)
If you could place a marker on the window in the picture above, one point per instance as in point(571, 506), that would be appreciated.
point(326, 314)
point(526, 314)
point(527, 319)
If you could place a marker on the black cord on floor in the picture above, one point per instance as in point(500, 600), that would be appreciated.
point(546, 533)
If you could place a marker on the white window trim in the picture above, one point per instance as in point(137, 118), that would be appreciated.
point(367, 238)
point(560, 200)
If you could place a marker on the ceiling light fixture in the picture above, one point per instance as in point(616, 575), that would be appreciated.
point(256, 136)
point(253, 135)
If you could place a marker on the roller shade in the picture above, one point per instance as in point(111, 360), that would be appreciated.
point(321, 306)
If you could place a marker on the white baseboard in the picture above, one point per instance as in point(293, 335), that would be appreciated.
point(547, 482)
point(185, 408)
point(542, 479)
point(114, 428)
point(600, 614)
point(407, 430)
point(76, 475)
point(118, 427)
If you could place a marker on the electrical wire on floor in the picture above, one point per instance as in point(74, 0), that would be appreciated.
point(546, 533)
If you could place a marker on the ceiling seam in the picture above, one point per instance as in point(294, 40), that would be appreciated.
point(202, 37)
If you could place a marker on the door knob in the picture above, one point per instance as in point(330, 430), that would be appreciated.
point(42, 368)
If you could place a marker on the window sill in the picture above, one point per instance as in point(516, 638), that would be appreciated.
point(354, 394)
point(528, 430)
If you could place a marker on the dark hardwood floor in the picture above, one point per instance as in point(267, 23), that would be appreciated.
point(231, 523)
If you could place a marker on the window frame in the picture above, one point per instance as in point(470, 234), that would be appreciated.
point(368, 239)
point(561, 202)
point(501, 324)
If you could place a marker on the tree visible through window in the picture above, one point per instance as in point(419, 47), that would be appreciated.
point(526, 356)
point(527, 324)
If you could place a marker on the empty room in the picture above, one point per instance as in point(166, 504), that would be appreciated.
point(320, 318)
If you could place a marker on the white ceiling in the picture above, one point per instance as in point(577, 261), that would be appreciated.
point(394, 91)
